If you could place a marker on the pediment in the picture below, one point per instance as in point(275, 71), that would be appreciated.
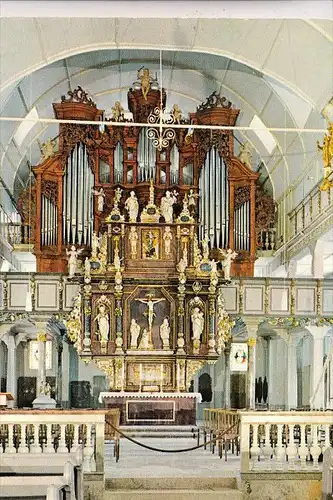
point(239, 170)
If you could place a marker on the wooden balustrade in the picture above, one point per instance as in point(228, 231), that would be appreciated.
point(46, 432)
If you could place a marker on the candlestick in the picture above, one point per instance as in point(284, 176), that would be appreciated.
point(140, 376)
point(161, 378)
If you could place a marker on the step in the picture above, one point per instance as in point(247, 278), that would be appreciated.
point(189, 494)
point(170, 483)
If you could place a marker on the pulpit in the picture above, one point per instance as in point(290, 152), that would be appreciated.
point(5, 397)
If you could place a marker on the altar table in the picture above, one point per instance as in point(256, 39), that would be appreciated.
point(153, 408)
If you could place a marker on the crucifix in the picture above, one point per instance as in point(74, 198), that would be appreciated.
point(150, 308)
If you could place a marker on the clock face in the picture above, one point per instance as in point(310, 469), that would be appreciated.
point(34, 355)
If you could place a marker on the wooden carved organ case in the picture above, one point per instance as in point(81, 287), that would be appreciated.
point(147, 223)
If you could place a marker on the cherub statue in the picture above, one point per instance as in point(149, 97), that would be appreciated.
point(72, 255)
point(144, 77)
point(245, 154)
point(228, 257)
point(191, 197)
point(117, 112)
point(176, 113)
point(327, 151)
point(47, 149)
point(117, 197)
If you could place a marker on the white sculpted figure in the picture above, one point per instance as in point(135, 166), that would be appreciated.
point(117, 197)
point(132, 206)
point(245, 154)
point(117, 259)
point(102, 319)
point(167, 203)
point(167, 237)
point(100, 199)
point(197, 323)
point(72, 255)
point(135, 332)
point(94, 244)
point(150, 308)
point(165, 333)
point(133, 239)
point(87, 268)
point(144, 342)
point(191, 198)
point(205, 248)
point(228, 257)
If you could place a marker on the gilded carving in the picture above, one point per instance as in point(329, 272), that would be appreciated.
point(192, 367)
point(78, 95)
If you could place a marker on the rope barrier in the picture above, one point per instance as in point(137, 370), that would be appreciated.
point(152, 448)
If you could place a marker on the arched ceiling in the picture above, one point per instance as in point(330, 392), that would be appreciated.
point(279, 70)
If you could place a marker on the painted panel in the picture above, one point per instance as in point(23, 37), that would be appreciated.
point(279, 299)
point(47, 297)
point(17, 293)
point(254, 299)
point(305, 300)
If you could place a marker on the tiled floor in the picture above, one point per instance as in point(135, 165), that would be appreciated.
point(136, 461)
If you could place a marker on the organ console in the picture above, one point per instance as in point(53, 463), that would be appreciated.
point(90, 157)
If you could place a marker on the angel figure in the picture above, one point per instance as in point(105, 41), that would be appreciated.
point(144, 77)
point(117, 197)
point(117, 111)
point(100, 198)
point(245, 154)
point(72, 255)
point(176, 113)
point(47, 149)
point(228, 257)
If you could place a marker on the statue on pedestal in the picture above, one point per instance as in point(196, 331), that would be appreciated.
point(133, 240)
point(72, 255)
point(132, 206)
point(228, 257)
point(145, 79)
point(205, 248)
point(198, 322)
point(135, 332)
point(102, 319)
point(166, 207)
point(117, 112)
point(165, 334)
point(117, 259)
point(167, 237)
point(94, 245)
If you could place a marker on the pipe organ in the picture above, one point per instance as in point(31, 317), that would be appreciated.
point(75, 185)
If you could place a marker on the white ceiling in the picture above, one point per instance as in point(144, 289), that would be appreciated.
point(280, 70)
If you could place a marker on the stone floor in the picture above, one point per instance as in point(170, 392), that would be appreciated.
point(138, 462)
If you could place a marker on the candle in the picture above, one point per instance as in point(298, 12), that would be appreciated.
point(140, 376)
point(161, 378)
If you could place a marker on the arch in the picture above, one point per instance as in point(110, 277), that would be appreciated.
point(205, 387)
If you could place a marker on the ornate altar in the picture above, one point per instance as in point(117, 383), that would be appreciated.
point(150, 227)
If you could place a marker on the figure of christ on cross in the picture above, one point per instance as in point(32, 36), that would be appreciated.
point(150, 311)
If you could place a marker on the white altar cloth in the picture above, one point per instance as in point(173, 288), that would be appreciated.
point(149, 395)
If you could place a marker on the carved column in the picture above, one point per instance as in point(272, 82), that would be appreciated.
point(119, 322)
point(252, 327)
point(87, 319)
point(180, 316)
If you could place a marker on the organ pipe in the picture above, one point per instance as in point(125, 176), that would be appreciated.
point(146, 158)
point(242, 227)
point(77, 198)
point(49, 222)
point(214, 200)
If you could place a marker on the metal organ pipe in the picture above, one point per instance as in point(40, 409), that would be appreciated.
point(49, 222)
point(77, 198)
point(214, 200)
point(242, 227)
point(146, 158)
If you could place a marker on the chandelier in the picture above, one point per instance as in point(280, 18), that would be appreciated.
point(160, 135)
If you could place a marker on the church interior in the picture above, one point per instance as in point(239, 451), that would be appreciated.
point(166, 252)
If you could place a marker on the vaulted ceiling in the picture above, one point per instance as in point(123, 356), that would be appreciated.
point(278, 70)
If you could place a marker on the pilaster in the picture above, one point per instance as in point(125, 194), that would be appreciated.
point(252, 330)
point(318, 333)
